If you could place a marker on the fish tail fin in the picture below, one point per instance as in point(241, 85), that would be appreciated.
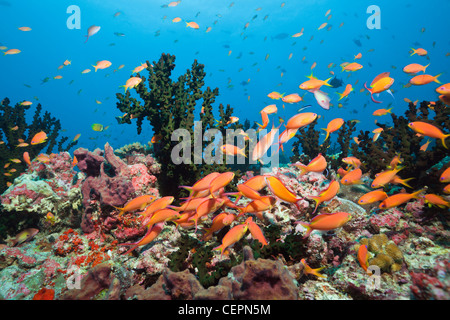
point(341, 95)
point(443, 140)
point(425, 67)
point(316, 272)
point(405, 182)
point(436, 78)
point(414, 51)
point(121, 211)
point(328, 134)
point(308, 229)
point(95, 67)
point(326, 82)
point(417, 193)
point(317, 201)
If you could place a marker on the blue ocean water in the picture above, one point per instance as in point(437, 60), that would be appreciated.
point(245, 53)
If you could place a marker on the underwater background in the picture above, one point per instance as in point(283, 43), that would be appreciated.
point(249, 49)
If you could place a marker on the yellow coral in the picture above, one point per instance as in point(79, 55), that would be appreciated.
point(386, 255)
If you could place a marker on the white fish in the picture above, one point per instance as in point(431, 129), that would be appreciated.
point(91, 31)
point(322, 98)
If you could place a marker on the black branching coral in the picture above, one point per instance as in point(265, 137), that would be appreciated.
point(170, 105)
point(13, 129)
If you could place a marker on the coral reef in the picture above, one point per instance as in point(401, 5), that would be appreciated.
point(170, 105)
point(401, 140)
point(14, 129)
point(385, 254)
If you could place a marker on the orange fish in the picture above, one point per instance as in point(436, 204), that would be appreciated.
point(381, 112)
point(358, 56)
point(308, 270)
point(234, 235)
point(327, 194)
point(382, 84)
point(257, 183)
point(138, 203)
point(323, 25)
point(216, 225)
point(161, 215)
point(262, 204)
point(433, 199)
point(301, 120)
point(11, 51)
point(414, 68)
point(446, 189)
point(314, 83)
point(444, 89)
point(151, 234)
point(352, 67)
point(74, 161)
point(256, 231)
point(398, 199)
point(285, 136)
point(373, 196)
point(348, 89)
point(445, 176)
point(103, 64)
point(271, 108)
point(156, 205)
point(326, 222)
point(279, 190)
point(265, 120)
point(333, 126)
point(221, 181)
point(263, 145)
point(424, 147)
point(377, 132)
point(352, 161)
point(202, 184)
point(363, 257)
point(39, 137)
point(419, 52)
point(192, 24)
point(398, 180)
point(353, 177)
point(383, 178)
point(231, 150)
point(248, 192)
point(26, 158)
point(428, 130)
point(275, 95)
point(132, 83)
point(423, 79)
point(292, 98)
point(206, 207)
point(318, 164)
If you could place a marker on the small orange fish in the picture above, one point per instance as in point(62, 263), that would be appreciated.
point(383, 178)
point(221, 181)
point(279, 190)
point(39, 137)
point(373, 196)
point(363, 256)
point(353, 177)
point(103, 64)
point(234, 235)
point(11, 51)
point(271, 108)
point(292, 98)
point(233, 150)
point(424, 147)
point(419, 52)
point(444, 89)
point(446, 189)
point(333, 126)
point(202, 184)
point(248, 192)
point(138, 203)
point(192, 24)
point(398, 199)
point(327, 194)
point(352, 67)
point(257, 183)
point(414, 68)
point(423, 79)
point(256, 231)
point(433, 199)
point(216, 225)
point(161, 215)
point(381, 112)
point(379, 84)
point(323, 25)
point(275, 95)
point(259, 205)
point(326, 222)
point(300, 120)
point(352, 161)
point(358, 56)
point(263, 145)
point(74, 161)
point(318, 164)
point(428, 130)
point(308, 270)
point(151, 234)
point(445, 176)
point(314, 83)
point(348, 89)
